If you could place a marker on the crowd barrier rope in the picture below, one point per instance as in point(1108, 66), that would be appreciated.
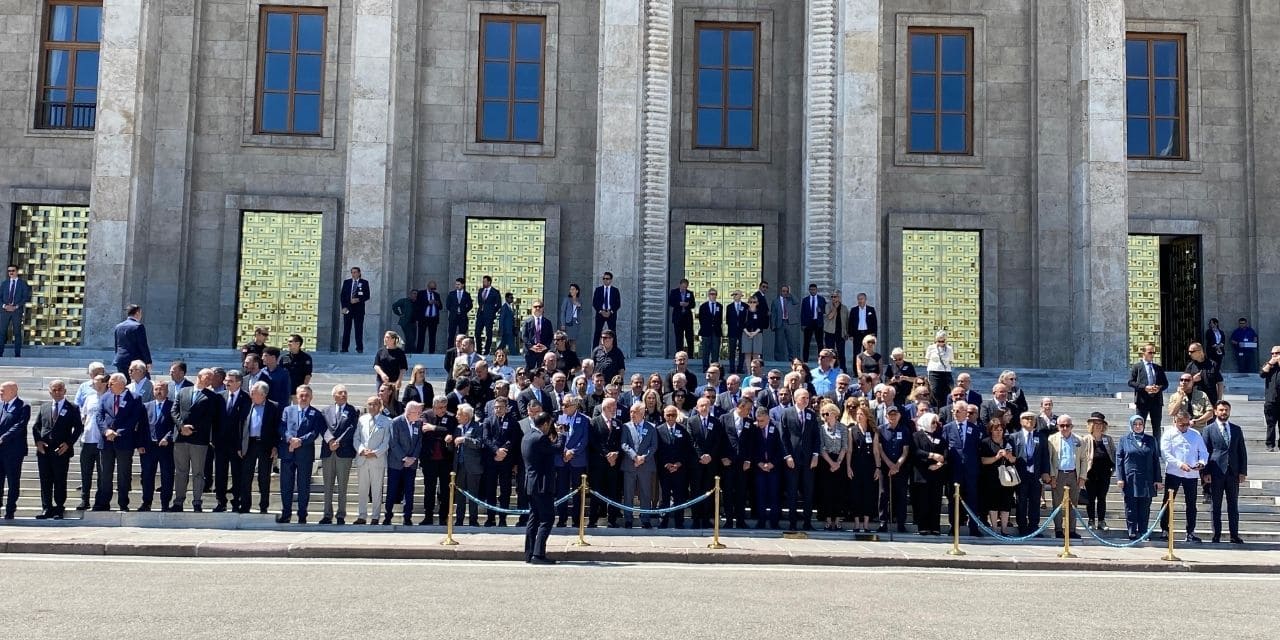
point(1122, 545)
point(652, 512)
point(988, 531)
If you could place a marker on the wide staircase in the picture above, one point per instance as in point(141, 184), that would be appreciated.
point(1074, 393)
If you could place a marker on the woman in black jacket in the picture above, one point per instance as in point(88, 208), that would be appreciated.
point(929, 474)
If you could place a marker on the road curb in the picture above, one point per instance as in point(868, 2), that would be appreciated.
point(273, 550)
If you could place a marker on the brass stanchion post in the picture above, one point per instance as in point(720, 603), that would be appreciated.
point(1168, 556)
point(1066, 534)
point(955, 526)
point(448, 532)
point(715, 518)
point(582, 514)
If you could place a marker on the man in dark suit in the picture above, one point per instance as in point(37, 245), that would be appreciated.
point(299, 428)
point(1228, 468)
point(120, 415)
point(604, 448)
point(736, 317)
point(57, 428)
point(427, 310)
point(226, 443)
point(403, 449)
point(575, 429)
point(540, 449)
point(338, 453)
point(1148, 381)
point(13, 443)
point(680, 300)
point(436, 430)
point(674, 454)
point(862, 321)
point(502, 437)
point(707, 434)
point(131, 340)
point(355, 292)
point(711, 328)
point(962, 436)
point(15, 296)
point(158, 449)
point(800, 430)
point(537, 333)
point(735, 464)
point(259, 432)
point(606, 300)
point(1271, 395)
point(488, 303)
point(459, 304)
point(813, 310)
point(1030, 447)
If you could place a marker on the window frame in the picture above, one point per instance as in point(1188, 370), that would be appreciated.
point(72, 47)
point(937, 34)
point(511, 100)
point(756, 45)
point(264, 11)
point(1181, 117)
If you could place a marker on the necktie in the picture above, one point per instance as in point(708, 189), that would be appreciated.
point(813, 302)
point(1226, 433)
point(782, 302)
point(459, 297)
point(1151, 374)
point(117, 405)
point(713, 308)
point(606, 298)
point(12, 283)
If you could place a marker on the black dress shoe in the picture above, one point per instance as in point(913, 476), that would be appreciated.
point(559, 523)
point(283, 519)
point(1216, 539)
point(1192, 538)
point(262, 510)
point(646, 525)
point(341, 520)
point(57, 515)
point(592, 524)
point(197, 508)
point(489, 522)
point(359, 521)
point(386, 520)
point(325, 520)
point(1236, 540)
point(425, 522)
point(302, 519)
point(8, 516)
point(43, 515)
point(808, 526)
point(473, 523)
point(1075, 536)
point(101, 507)
point(144, 508)
point(124, 509)
point(82, 506)
point(541, 560)
point(884, 528)
point(1057, 534)
point(221, 508)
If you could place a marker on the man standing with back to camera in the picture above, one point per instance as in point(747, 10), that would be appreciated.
point(539, 449)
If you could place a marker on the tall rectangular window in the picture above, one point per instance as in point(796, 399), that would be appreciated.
point(69, 65)
point(1155, 95)
point(940, 93)
point(725, 85)
point(291, 45)
point(511, 68)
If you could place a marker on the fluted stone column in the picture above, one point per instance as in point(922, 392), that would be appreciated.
point(841, 145)
point(123, 164)
point(1098, 186)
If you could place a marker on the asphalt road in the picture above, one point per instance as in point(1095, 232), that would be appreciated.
point(105, 599)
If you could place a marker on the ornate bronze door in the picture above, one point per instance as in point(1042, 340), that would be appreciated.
point(1144, 294)
point(724, 257)
point(49, 246)
point(942, 291)
point(279, 275)
point(510, 252)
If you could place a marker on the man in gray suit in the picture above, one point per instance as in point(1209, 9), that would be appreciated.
point(15, 296)
point(784, 315)
point(403, 449)
point(639, 471)
point(470, 462)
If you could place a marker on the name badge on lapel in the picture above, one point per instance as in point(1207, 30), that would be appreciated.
point(867, 437)
point(968, 431)
point(678, 434)
point(62, 413)
point(897, 436)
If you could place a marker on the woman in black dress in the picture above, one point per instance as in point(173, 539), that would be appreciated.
point(390, 364)
point(832, 480)
point(391, 407)
point(929, 473)
point(863, 472)
point(995, 451)
point(868, 361)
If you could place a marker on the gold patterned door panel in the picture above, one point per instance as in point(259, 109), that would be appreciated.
point(511, 252)
point(723, 257)
point(50, 244)
point(1144, 293)
point(279, 275)
point(942, 290)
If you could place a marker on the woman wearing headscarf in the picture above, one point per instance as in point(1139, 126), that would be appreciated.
point(1138, 473)
point(929, 473)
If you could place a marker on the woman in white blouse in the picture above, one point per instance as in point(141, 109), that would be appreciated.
point(371, 440)
point(938, 358)
point(501, 367)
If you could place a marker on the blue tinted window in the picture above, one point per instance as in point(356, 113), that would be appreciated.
point(1135, 58)
point(725, 86)
point(291, 71)
point(86, 69)
point(57, 66)
point(511, 85)
point(954, 133)
point(309, 74)
point(1166, 97)
point(279, 31)
point(311, 33)
point(953, 93)
point(275, 112)
point(275, 72)
point(923, 92)
point(1154, 95)
point(61, 21)
point(922, 133)
point(955, 53)
point(1139, 137)
point(1166, 142)
point(306, 113)
point(923, 52)
point(1136, 98)
point(68, 64)
point(1164, 53)
point(89, 24)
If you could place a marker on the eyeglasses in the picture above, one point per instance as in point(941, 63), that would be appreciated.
point(560, 339)
point(537, 306)
point(1184, 379)
point(607, 278)
point(1065, 426)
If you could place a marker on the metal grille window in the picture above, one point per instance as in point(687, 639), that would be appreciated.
point(69, 48)
point(291, 45)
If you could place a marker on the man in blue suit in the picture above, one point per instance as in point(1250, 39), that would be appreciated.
point(301, 425)
point(680, 300)
point(57, 428)
point(606, 300)
point(1228, 468)
point(1030, 445)
point(735, 317)
point(15, 296)
point(813, 310)
point(131, 340)
point(157, 449)
point(962, 436)
point(488, 303)
point(458, 303)
point(711, 328)
point(13, 443)
point(570, 466)
point(403, 449)
point(355, 292)
point(120, 417)
point(540, 449)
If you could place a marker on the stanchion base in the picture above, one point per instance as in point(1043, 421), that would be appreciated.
point(582, 543)
point(716, 545)
point(956, 552)
point(1067, 554)
point(1169, 557)
point(449, 542)
point(795, 535)
point(866, 537)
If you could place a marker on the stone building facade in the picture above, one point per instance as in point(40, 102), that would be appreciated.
point(1043, 238)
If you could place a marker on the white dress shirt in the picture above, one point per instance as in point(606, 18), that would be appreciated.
point(1187, 448)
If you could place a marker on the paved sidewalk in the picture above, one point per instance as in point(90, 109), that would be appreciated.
point(616, 547)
